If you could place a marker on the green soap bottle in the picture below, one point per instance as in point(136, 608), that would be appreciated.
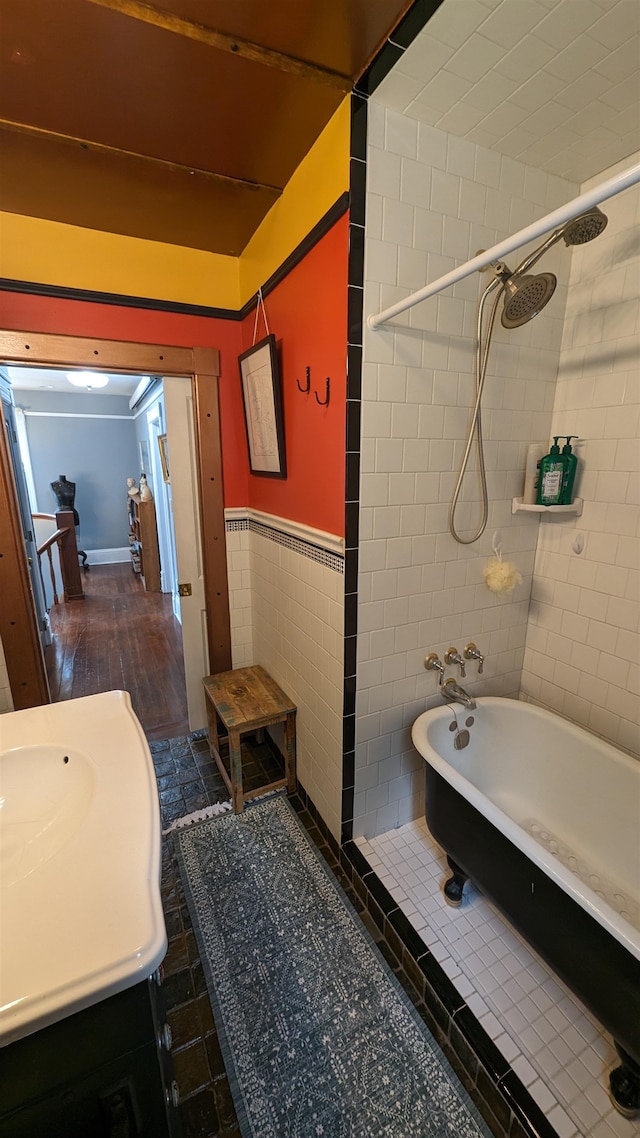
point(551, 476)
point(570, 467)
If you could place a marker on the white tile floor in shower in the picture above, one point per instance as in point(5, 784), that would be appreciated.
point(554, 1045)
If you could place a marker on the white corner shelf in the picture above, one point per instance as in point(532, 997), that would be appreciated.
point(518, 506)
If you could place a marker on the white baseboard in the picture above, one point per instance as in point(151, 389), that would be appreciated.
point(108, 556)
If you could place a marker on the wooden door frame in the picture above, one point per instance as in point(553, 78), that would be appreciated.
point(18, 625)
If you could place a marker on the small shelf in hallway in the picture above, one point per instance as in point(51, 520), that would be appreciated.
point(121, 637)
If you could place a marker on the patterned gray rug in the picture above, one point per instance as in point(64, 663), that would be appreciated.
point(319, 1038)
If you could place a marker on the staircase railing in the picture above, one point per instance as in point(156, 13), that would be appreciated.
point(64, 538)
point(47, 547)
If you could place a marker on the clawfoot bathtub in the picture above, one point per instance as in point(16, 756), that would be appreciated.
point(545, 819)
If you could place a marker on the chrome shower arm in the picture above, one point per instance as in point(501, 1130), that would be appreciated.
point(534, 257)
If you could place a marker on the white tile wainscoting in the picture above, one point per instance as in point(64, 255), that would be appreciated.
point(286, 593)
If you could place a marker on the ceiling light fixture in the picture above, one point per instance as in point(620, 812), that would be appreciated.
point(87, 379)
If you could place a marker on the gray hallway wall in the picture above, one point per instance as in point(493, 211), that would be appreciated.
point(91, 439)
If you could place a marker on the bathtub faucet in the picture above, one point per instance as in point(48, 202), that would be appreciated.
point(453, 693)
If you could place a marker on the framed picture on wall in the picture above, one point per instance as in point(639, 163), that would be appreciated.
point(144, 456)
point(163, 447)
point(262, 397)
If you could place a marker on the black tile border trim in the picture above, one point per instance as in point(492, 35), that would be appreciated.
point(414, 21)
point(355, 296)
point(326, 557)
point(396, 44)
point(497, 1084)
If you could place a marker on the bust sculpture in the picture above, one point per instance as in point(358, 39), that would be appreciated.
point(65, 495)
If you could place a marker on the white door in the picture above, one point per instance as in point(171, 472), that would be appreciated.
point(164, 514)
point(185, 501)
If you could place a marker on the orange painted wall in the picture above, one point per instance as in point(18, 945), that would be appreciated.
point(307, 313)
point(116, 322)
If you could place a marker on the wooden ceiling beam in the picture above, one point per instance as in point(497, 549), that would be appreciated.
point(115, 151)
point(243, 49)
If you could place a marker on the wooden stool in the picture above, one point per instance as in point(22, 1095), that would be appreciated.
point(247, 699)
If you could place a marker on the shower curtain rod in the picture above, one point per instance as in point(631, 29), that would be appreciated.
point(552, 220)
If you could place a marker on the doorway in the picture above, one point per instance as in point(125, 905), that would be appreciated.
point(18, 631)
point(124, 634)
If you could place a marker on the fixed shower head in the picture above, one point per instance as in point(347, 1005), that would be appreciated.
point(525, 297)
point(585, 227)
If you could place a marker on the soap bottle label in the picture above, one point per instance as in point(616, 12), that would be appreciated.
point(552, 483)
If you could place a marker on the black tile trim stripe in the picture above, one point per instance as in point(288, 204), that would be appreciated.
point(355, 296)
point(496, 1082)
point(401, 37)
point(318, 553)
point(409, 26)
point(524, 1108)
point(414, 21)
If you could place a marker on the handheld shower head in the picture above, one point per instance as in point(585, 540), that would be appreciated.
point(585, 227)
point(524, 296)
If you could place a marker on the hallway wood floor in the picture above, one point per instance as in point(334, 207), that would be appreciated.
point(121, 637)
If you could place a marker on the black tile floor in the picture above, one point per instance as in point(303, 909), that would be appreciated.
point(188, 780)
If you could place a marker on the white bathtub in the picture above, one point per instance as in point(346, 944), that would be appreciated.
point(545, 818)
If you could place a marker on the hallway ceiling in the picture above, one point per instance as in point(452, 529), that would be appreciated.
point(552, 83)
point(179, 120)
point(47, 379)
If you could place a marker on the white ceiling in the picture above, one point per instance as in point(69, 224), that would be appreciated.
point(42, 379)
point(553, 83)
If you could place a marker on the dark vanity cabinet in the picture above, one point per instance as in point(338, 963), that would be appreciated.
point(104, 1072)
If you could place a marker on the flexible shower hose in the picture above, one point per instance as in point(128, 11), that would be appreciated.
point(475, 425)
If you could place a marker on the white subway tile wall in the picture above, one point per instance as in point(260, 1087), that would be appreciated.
point(582, 656)
point(287, 614)
point(240, 596)
point(432, 201)
point(6, 700)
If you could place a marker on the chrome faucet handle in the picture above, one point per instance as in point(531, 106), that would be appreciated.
point(433, 664)
point(452, 656)
point(471, 653)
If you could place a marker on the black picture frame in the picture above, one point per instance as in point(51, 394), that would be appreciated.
point(262, 400)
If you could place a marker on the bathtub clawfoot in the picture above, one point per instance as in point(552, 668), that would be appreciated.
point(624, 1085)
point(454, 885)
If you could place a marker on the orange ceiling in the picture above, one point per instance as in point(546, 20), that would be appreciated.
point(179, 121)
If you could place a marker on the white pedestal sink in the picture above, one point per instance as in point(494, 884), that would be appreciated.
point(80, 910)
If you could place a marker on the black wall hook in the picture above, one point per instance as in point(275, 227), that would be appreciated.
point(324, 402)
point(305, 390)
